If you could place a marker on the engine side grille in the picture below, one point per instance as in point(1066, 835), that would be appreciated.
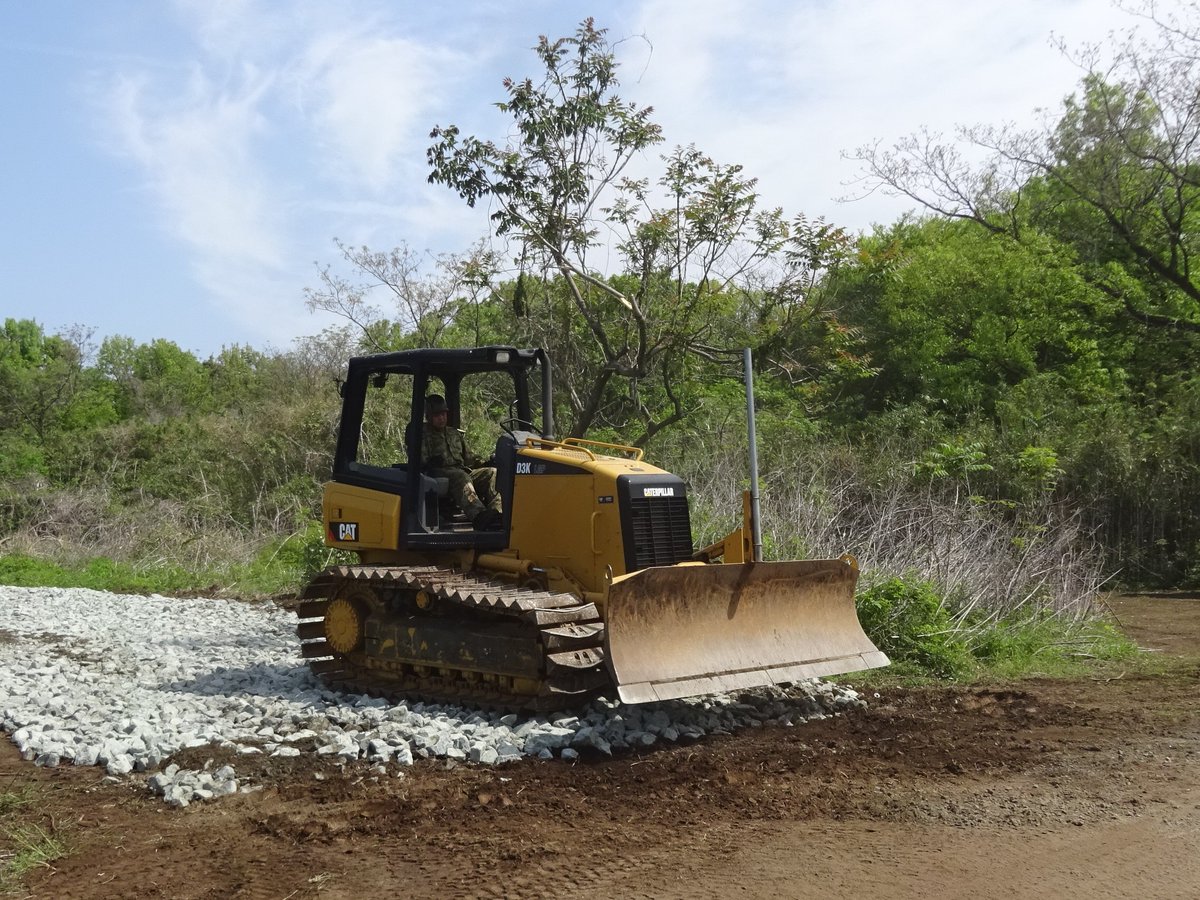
point(661, 531)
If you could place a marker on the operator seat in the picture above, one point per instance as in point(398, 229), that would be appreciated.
point(429, 483)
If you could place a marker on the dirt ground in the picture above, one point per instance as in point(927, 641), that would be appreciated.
point(1086, 787)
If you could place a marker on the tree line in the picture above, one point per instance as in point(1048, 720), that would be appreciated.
point(1028, 341)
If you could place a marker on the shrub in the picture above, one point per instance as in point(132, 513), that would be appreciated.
point(909, 622)
point(298, 557)
point(994, 559)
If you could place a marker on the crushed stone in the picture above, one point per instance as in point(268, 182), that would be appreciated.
point(125, 681)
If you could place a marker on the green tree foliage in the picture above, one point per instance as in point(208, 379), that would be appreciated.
point(705, 268)
point(1025, 355)
point(39, 378)
point(427, 296)
point(46, 392)
point(1006, 345)
point(156, 380)
point(1116, 178)
point(955, 320)
point(1106, 200)
point(240, 440)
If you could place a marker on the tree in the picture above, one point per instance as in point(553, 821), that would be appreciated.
point(953, 320)
point(1117, 177)
point(425, 304)
point(156, 380)
point(42, 381)
point(704, 268)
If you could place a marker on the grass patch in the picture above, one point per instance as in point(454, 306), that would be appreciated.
point(1049, 647)
point(916, 627)
point(24, 845)
point(99, 573)
point(13, 800)
point(102, 574)
point(32, 847)
point(281, 565)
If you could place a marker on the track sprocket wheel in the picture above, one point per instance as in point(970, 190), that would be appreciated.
point(345, 620)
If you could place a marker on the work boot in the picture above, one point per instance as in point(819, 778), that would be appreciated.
point(488, 520)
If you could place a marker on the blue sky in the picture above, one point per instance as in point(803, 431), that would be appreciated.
point(178, 169)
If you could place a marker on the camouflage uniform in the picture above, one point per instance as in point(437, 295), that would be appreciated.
point(468, 485)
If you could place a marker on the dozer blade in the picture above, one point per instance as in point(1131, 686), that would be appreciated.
point(679, 631)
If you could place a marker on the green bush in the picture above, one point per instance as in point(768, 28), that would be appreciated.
point(914, 625)
point(909, 621)
point(290, 562)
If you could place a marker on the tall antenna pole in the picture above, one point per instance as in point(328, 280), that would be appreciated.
point(755, 521)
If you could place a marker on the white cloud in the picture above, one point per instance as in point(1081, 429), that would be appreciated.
point(292, 124)
point(238, 29)
point(785, 87)
point(256, 300)
point(198, 156)
point(229, 162)
point(373, 95)
point(196, 152)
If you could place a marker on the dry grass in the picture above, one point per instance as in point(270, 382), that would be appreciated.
point(24, 844)
point(990, 560)
point(68, 525)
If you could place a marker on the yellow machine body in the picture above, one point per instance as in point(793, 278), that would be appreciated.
point(359, 518)
point(677, 628)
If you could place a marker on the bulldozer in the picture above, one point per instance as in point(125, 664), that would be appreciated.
point(589, 584)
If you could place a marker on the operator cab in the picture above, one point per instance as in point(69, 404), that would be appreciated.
point(499, 395)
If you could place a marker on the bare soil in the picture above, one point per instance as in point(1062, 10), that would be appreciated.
point(1063, 788)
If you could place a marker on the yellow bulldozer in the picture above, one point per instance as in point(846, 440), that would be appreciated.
point(588, 583)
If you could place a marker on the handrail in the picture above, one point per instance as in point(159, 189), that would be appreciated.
point(533, 441)
point(637, 451)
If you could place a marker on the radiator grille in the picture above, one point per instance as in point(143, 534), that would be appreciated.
point(661, 530)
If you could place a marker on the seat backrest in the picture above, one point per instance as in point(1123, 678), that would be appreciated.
point(429, 484)
point(439, 486)
point(393, 475)
point(413, 430)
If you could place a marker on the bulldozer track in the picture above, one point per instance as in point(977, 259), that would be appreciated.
point(568, 633)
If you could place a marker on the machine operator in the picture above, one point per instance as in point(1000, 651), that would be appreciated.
point(444, 454)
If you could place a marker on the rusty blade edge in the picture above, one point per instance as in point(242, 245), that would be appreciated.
point(722, 682)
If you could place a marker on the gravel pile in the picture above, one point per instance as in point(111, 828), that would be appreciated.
point(124, 682)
